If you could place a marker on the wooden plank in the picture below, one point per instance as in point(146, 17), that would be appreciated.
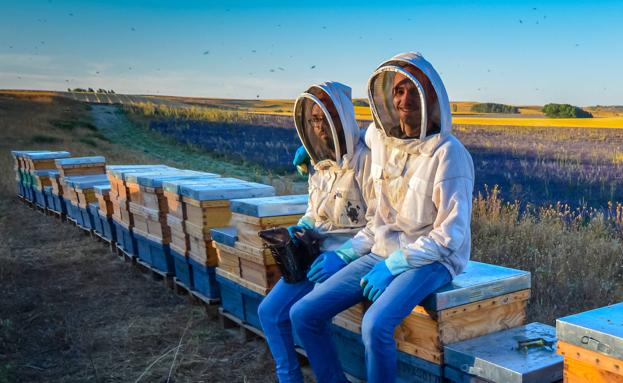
point(458, 311)
point(267, 221)
point(204, 204)
point(251, 286)
point(573, 353)
point(259, 251)
point(265, 276)
point(208, 217)
point(228, 261)
point(577, 371)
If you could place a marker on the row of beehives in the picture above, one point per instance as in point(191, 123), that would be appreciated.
point(202, 228)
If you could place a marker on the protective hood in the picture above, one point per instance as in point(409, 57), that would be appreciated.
point(394, 78)
point(324, 117)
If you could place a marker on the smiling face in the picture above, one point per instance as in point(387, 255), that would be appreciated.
point(406, 100)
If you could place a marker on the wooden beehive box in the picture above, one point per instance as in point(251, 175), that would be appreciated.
point(206, 206)
point(483, 299)
point(246, 257)
point(119, 193)
point(102, 194)
point(81, 166)
point(81, 188)
point(592, 345)
point(43, 160)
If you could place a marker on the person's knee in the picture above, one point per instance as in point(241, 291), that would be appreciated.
point(270, 314)
point(374, 331)
point(300, 314)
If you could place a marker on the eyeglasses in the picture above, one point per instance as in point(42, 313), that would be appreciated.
point(316, 121)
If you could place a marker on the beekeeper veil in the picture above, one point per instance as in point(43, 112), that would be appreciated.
point(403, 101)
point(319, 125)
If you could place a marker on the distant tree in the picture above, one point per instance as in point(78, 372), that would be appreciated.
point(79, 90)
point(565, 111)
point(111, 91)
point(100, 90)
point(91, 90)
point(68, 89)
point(360, 102)
point(490, 107)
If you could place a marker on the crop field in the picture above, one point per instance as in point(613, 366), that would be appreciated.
point(580, 167)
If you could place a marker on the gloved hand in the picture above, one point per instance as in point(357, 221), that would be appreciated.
point(301, 161)
point(293, 230)
point(327, 264)
point(376, 281)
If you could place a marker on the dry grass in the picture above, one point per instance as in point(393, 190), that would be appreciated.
point(575, 257)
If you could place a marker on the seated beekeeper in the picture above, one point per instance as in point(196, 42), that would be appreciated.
point(340, 191)
point(420, 234)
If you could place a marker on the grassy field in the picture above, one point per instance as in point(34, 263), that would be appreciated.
point(70, 312)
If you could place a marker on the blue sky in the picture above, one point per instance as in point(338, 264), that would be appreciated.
point(512, 52)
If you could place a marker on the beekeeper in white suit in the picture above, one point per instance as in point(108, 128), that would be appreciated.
point(419, 238)
point(340, 192)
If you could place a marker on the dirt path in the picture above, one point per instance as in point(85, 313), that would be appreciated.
point(72, 312)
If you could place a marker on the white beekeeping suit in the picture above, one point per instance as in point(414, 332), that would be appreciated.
point(423, 185)
point(340, 188)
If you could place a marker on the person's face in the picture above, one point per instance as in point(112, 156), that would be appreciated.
point(320, 124)
point(406, 100)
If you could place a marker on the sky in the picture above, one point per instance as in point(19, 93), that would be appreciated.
point(521, 53)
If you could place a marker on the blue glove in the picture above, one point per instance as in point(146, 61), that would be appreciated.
point(301, 161)
point(293, 230)
point(327, 264)
point(376, 281)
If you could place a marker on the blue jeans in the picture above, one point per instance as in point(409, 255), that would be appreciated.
point(312, 314)
point(274, 313)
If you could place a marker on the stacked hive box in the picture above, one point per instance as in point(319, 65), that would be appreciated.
point(103, 208)
point(19, 166)
point(39, 166)
point(592, 345)
point(75, 167)
point(524, 354)
point(81, 192)
point(149, 209)
point(483, 299)
point(200, 206)
point(119, 198)
point(247, 271)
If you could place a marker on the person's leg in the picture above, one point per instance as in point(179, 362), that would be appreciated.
point(312, 314)
point(395, 303)
point(274, 313)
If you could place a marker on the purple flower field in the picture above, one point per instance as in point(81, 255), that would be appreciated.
point(537, 165)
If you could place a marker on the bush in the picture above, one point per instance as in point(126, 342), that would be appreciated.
point(44, 139)
point(490, 107)
point(565, 111)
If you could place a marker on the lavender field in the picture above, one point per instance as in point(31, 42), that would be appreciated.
point(579, 167)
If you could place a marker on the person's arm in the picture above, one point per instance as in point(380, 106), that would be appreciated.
point(452, 196)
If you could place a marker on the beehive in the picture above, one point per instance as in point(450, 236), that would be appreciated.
point(592, 345)
point(246, 261)
point(524, 354)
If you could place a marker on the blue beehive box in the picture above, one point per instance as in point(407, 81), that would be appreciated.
point(525, 354)
point(93, 210)
point(225, 235)
point(183, 271)
point(271, 206)
point(239, 301)
point(599, 330)
point(204, 279)
point(410, 369)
